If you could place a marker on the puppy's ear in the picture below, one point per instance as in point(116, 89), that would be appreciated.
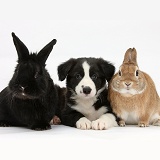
point(64, 68)
point(107, 68)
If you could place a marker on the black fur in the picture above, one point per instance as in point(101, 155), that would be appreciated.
point(73, 67)
point(31, 98)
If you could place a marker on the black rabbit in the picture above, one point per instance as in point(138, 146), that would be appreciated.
point(31, 98)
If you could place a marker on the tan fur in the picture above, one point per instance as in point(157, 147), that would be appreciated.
point(139, 101)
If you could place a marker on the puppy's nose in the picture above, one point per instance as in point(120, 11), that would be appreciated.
point(87, 90)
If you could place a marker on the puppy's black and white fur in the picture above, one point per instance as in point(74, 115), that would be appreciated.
point(87, 106)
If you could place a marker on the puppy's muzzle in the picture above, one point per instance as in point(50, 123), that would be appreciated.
point(87, 90)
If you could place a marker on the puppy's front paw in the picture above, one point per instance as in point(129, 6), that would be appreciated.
point(99, 125)
point(104, 122)
point(83, 123)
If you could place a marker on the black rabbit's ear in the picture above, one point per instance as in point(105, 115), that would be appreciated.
point(107, 68)
point(64, 68)
point(22, 50)
point(44, 53)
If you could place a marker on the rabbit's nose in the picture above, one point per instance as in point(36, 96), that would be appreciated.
point(127, 84)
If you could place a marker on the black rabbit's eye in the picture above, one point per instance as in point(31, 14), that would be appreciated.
point(94, 76)
point(78, 76)
point(137, 72)
point(120, 74)
point(36, 75)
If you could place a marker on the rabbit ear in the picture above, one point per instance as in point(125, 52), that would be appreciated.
point(130, 56)
point(64, 68)
point(22, 50)
point(44, 53)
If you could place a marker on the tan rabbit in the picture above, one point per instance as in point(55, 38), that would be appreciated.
point(133, 95)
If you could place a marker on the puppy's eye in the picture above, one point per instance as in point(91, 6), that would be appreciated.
point(94, 76)
point(36, 75)
point(119, 73)
point(137, 72)
point(78, 76)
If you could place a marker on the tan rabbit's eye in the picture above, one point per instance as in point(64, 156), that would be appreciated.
point(119, 73)
point(137, 72)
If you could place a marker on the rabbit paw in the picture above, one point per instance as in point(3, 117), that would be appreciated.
point(41, 127)
point(55, 121)
point(156, 122)
point(83, 123)
point(4, 124)
point(122, 123)
point(143, 124)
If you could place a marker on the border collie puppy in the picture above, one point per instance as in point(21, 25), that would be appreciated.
point(87, 106)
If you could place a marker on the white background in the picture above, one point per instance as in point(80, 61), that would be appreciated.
point(85, 28)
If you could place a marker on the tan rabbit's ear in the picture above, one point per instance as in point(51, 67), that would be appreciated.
point(130, 56)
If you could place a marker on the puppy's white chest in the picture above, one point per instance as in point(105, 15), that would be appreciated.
point(88, 110)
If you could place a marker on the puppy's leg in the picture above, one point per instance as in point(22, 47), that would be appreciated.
point(83, 123)
point(106, 121)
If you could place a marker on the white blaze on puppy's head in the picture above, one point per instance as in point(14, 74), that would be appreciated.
point(86, 87)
